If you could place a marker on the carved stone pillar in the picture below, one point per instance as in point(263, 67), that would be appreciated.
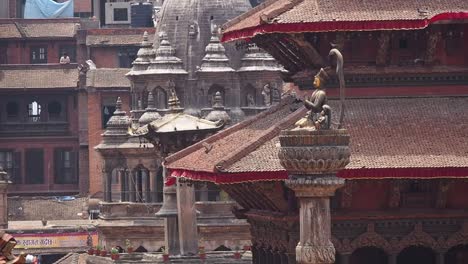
point(440, 257)
point(123, 185)
point(344, 258)
point(152, 174)
point(107, 183)
point(392, 258)
point(169, 212)
point(4, 181)
point(132, 186)
point(188, 233)
point(312, 159)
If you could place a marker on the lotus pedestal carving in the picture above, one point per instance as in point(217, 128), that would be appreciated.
point(312, 159)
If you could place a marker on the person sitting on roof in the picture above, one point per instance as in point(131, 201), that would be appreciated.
point(64, 59)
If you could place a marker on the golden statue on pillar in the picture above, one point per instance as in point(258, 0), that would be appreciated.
point(319, 114)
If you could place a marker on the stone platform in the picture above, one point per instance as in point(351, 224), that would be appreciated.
point(215, 257)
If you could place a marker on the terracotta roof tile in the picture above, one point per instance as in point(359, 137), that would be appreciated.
point(9, 31)
point(385, 133)
point(235, 142)
point(38, 78)
point(108, 78)
point(49, 30)
point(115, 40)
point(318, 11)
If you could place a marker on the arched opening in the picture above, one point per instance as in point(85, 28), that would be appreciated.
point(118, 181)
point(212, 91)
point(160, 98)
point(54, 109)
point(34, 111)
point(457, 255)
point(368, 255)
point(416, 254)
point(249, 96)
point(12, 110)
point(140, 190)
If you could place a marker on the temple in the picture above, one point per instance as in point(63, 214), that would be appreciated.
point(403, 200)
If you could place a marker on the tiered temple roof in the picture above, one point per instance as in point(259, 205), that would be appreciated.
point(419, 138)
point(295, 16)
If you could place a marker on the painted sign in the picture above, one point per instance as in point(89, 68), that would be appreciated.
point(62, 240)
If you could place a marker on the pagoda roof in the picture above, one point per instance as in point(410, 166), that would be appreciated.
point(390, 138)
point(296, 16)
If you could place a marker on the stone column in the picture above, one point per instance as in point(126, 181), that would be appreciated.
point(107, 183)
point(188, 233)
point(169, 212)
point(132, 186)
point(392, 258)
point(344, 258)
point(152, 174)
point(440, 257)
point(312, 159)
point(4, 181)
point(123, 186)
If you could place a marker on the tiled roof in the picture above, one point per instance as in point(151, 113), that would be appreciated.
point(108, 78)
point(38, 29)
point(280, 12)
point(49, 30)
point(9, 31)
point(116, 40)
point(385, 133)
point(232, 144)
point(38, 78)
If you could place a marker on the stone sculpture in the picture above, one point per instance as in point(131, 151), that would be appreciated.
point(319, 114)
point(266, 93)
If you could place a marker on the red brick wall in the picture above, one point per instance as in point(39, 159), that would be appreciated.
point(12, 7)
point(47, 144)
point(82, 6)
point(105, 57)
point(19, 52)
point(94, 131)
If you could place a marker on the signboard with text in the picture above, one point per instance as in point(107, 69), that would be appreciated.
point(61, 240)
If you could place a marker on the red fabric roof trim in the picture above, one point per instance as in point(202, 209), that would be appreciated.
point(340, 26)
point(350, 174)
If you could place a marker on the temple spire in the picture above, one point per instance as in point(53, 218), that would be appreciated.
point(215, 59)
point(151, 113)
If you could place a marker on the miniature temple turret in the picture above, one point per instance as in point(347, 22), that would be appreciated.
point(117, 126)
point(218, 112)
point(215, 59)
point(151, 113)
point(166, 61)
point(256, 59)
point(144, 56)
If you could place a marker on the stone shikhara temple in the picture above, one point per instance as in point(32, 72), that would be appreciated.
point(400, 200)
point(185, 85)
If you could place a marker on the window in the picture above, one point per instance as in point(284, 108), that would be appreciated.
point(34, 166)
point(107, 112)
point(120, 14)
point(12, 110)
point(39, 54)
point(10, 162)
point(65, 162)
point(127, 56)
point(70, 50)
point(55, 109)
point(34, 111)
